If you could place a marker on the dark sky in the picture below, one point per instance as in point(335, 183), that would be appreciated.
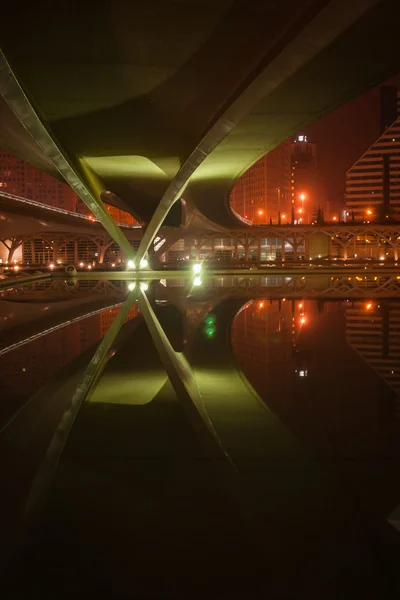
point(343, 136)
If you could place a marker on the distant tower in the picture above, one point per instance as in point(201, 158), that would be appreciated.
point(373, 182)
point(304, 182)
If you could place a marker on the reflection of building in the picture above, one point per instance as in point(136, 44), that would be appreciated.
point(31, 366)
point(263, 191)
point(373, 182)
point(373, 330)
point(304, 183)
point(21, 179)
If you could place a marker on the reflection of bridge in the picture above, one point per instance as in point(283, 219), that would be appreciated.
point(136, 462)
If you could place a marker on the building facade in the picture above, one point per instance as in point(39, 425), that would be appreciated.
point(262, 193)
point(21, 179)
point(304, 180)
point(373, 182)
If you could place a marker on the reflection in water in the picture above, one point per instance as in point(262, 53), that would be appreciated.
point(317, 457)
point(327, 368)
point(29, 367)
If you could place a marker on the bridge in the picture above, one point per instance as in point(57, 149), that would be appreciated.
point(149, 120)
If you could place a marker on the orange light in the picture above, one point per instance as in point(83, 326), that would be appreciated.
point(302, 320)
point(369, 212)
point(261, 304)
point(302, 196)
point(301, 305)
point(260, 212)
point(369, 306)
point(335, 218)
point(300, 210)
point(283, 216)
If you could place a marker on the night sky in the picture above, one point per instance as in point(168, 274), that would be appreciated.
point(343, 136)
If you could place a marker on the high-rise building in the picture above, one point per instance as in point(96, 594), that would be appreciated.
point(304, 179)
point(373, 182)
point(373, 330)
point(262, 193)
point(21, 179)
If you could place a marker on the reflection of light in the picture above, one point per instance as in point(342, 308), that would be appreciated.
point(131, 264)
point(197, 281)
point(144, 286)
point(144, 263)
point(131, 286)
point(196, 268)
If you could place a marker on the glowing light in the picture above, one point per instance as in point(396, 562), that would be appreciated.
point(302, 197)
point(144, 263)
point(144, 286)
point(197, 281)
point(303, 373)
point(89, 267)
point(261, 305)
point(301, 305)
point(131, 264)
point(131, 286)
point(300, 210)
point(260, 212)
point(283, 216)
point(81, 264)
point(197, 268)
point(16, 268)
point(369, 306)
point(51, 266)
point(302, 320)
point(381, 258)
point(369, 212)
point(335, 218)
point(113, 264)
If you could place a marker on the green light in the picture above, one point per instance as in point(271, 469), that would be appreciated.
point(209, 320)
point(209, 331)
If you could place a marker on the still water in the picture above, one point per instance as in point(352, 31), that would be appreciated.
point(284, 474)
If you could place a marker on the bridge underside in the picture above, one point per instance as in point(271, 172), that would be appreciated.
point(142, 97)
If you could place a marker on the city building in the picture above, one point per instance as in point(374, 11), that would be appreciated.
point(22, 179)
point(373, 182)
point(305, 196)
point(262, 193)
point(373, 331)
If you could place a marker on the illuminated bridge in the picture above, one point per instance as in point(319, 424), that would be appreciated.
point(146, 119)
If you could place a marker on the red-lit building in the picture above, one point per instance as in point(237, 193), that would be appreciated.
point(263, 191)
point(21, 179)
point(305, 194)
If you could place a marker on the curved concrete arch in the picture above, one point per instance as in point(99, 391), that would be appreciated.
point(201, 95)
